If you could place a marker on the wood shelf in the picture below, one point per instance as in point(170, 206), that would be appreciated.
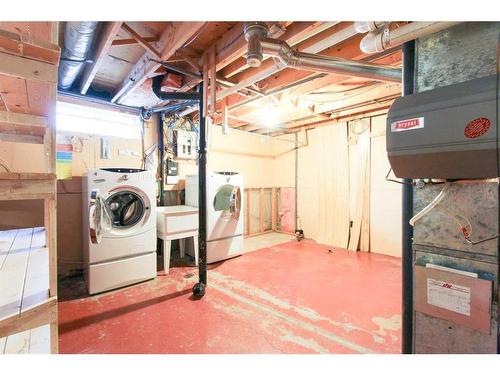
point(21, 127)
point(29, 61)
point(25, 300)
point(21, 186)
point(27, 176)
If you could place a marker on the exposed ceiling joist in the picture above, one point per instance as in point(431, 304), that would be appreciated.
point(139, 39)
point(173, 38)
point(125, 42)
point(107, 36)
point(316, 84)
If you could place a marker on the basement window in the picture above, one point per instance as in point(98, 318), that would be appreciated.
point(80, 119)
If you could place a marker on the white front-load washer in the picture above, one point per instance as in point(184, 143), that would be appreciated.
point(119, 227)
point(225, 223)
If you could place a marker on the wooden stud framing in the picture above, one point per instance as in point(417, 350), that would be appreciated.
point(249, 217)
point(274, 209)
point(34, 63)
point(262, 212)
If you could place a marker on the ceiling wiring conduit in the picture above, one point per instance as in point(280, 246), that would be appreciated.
point(379, 40)
point(259, 44)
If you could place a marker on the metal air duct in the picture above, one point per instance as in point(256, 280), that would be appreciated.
point(259, 44)
point(78, 37)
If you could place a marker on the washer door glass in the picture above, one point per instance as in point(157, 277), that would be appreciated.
point(126, 208)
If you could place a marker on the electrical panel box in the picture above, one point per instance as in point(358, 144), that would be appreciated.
point(171, 172)
point(448, 133)
point(186, 142)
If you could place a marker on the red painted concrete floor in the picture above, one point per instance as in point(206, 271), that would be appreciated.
point(289, 298)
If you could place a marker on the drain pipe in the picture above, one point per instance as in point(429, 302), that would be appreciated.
point(407, 229)
point(200, 286)
point(378, 41)
point(78, 38)
point(259, 45)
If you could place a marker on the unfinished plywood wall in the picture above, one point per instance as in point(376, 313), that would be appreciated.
point(323, 185)
point(385, 197)
point(341, 179)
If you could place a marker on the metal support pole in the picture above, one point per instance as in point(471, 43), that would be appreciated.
point(296, 180)
point(407, 254)
point(199, 288)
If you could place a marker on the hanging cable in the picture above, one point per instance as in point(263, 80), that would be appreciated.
point(396, 181)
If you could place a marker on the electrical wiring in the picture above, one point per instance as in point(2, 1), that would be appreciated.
point(396, 181)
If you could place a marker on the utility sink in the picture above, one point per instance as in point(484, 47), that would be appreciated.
point(172, 220)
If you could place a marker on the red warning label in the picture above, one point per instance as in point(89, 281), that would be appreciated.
point(477, 127)
point(409, 124)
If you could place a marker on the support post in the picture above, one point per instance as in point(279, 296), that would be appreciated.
point(407, 231)
point(199, 288)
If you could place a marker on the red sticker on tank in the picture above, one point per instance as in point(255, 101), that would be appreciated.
point(477, 127)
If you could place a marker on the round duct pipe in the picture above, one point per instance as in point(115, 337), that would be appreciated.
point(254, 32)
point(78, 38)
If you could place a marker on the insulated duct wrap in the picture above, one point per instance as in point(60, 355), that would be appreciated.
point(78, 38)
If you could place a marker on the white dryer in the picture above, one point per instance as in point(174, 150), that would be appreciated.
point(119, 227)
point(225, 224)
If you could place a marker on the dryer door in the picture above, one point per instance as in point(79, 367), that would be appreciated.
point(99, 217)
point(225, 213)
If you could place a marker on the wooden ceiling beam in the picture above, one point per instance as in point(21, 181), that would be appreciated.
point(383, 98)
point(124, 42)
point(140, 40)
point(107, 36)
point(370, 112)
point(173, 37)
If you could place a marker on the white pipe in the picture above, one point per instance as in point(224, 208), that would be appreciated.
point(363, 27)
point(431, 205)
point(375, 41)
